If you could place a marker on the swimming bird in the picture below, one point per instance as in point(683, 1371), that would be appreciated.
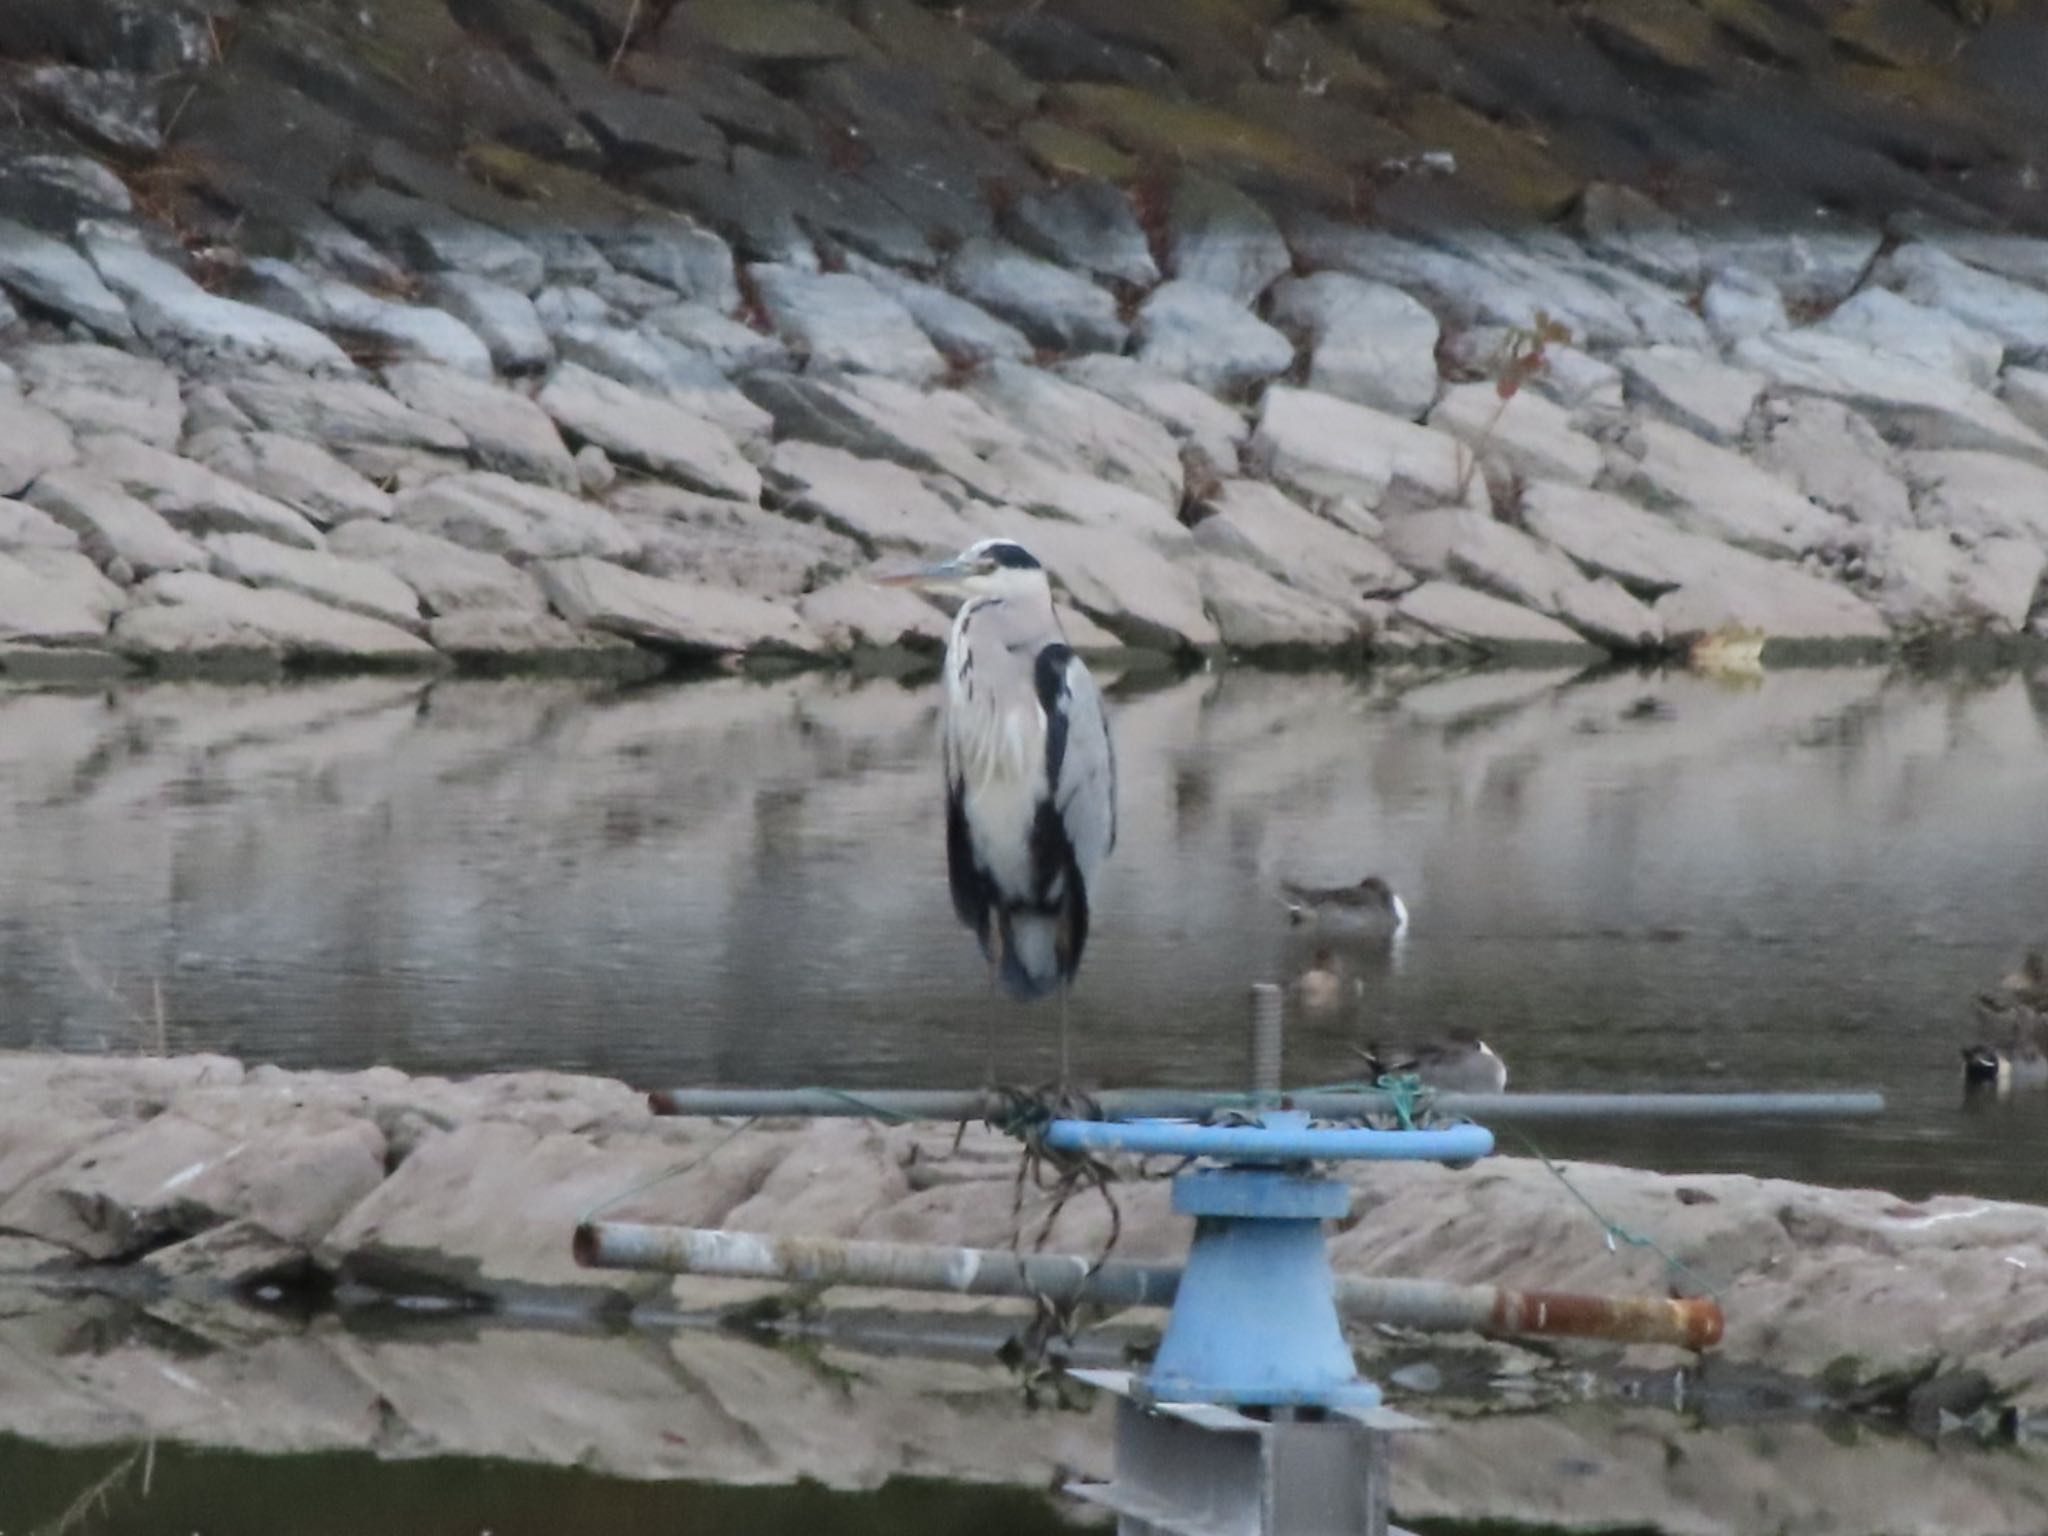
point(1459, 1063)
point(1369, 907)
point(1324, 986)
point(1030, 773)
point(2009, 1054)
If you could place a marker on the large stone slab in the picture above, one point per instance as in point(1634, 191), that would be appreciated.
point(1223, 239)
point(175, 313)
point(1696, 390)
point(1367, 342)
point(354, 586)
point(857, 614)
point(1124, 583)
point(112, 527)
point(877, 504)
point(2015, 313)
point(1055, 308)
point(723, 543)
point(25, 527)
point(1980, 495)
point(1194, 416)
point(502, 516)
point(1255, 611)
point(102, 389)
point(1890, 322)
point(193, 617)
point(940, 431)
point(1078, 428)
point(1922, 579)
point(1321, 446)
point(688, 617)
point(50, 275)
point(440, 239)
point(33, 441)
point(193, 498)
point(725, 343)
point(1088, 225)
point(506, 430)
point(1259, 523)
point(640, 429)
point(1520, 436)
point(963, 332)
point(337, 413)
point(838, 321)
point(1206, 337)
point(369, 326)
point(40, 610)
point(502, 317)
point(1479, 619)
point(300, 474)
point(1719, 493)
point(446, 577)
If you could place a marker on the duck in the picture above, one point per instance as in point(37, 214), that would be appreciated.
point(1324, 986)
point(1459, 1063)
point(2015, 1059)
point(1371, 906)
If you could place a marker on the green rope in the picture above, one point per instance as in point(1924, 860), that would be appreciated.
point(872, 1111)
point(1408, 1094)
point(685, 1166)
point(1613, 1231)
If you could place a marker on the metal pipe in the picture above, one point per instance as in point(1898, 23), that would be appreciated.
point(1267, 1143)
point(1267, 1015)
point(945, 1104)
point(1428, 1305)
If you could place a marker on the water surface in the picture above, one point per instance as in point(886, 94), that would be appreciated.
point(1624, 881)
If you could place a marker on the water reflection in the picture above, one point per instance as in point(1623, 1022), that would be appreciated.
point(1622, 881)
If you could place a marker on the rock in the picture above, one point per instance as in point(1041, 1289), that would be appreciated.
point(504, 318)
point(856, 614)
point(38, 608)
point(2015, 313)
point(1085, 224)
point(636, 428)
point(1523, 435)
point(113, 526)
point(25, 527)
point(33, 442)
point(1123, 583)
point(963, 332)
point(62, 189)
point(877, 504)
point(1192, 415)
point(1886, 322)
point(726, 344)
point(693, 262)
point(1695, 390)
point(353, 586)
point(189, 616)
point(300, 474)
point(1980, 495)
point(2025, 393)
point(1621, 223)
point(835, 320)
point(1704, 585)
point(1257, 523)
point(172, 311)
point(1827, 452)
point(51, 276)
point(338, 413)
point(113, 106)
point(1321, 446)
point(1043, 488)
point(192, 498)
point(502, 516)
point(1054, 308)
point(691, 617)
point(1719, 493)
point(1481, 552)
point(1922, 579)
point(1490, 623)
point(746, 549)
point(505, 429)
point(564, 307)
point(1818, 267)
point(1739, 305)
point(1658, 313)
point(498, 638)
point(1366, 341)
point(99, 389)
point(1909, 403)
point(369, 325)
point(595, 473)
point(1592, 390)
point(446, 577)
point(941, 432)
point(330, 244)
point(1222, 239)
point(1256, 612)
point(1206, 337)
point(1077, 428)
point(440, 239)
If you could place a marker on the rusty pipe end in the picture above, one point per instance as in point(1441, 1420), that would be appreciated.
point(662, 1102)
point(584, 1245)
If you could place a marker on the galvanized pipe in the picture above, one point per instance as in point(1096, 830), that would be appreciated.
point(1267, 1018)
point(945, 1104)
point(1427, 1305)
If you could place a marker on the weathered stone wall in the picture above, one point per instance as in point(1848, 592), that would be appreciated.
point(400, 331)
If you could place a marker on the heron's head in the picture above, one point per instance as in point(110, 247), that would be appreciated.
point(988, 568)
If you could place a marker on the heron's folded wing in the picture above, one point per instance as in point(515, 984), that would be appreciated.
point(1085, 789)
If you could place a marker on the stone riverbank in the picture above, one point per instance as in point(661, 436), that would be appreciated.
point(508, 332)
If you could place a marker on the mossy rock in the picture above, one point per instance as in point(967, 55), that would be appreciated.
point(1510, 168)
point(1902, 33)
point(1761, 29)
point(774, 31)
point(1151, 127)
point(1303, 55)
point(1410, 13)
point(948, 50)
point(1667, 34)
point(1359, 137)
point(574, 197)
point(1061, 150)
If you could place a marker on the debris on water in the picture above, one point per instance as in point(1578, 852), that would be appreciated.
point(1422, 1376)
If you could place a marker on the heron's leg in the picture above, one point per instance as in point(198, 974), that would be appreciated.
point(1063, 1038)
point(988, 1029)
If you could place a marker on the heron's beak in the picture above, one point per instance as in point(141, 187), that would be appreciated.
point(938, 575)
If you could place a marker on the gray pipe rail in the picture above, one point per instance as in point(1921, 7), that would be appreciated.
point(940, 1104)
point(1427, 1305)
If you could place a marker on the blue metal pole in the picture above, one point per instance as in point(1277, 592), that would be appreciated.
point(1269, 1143)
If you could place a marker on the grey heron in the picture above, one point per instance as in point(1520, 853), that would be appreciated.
point(1369, 907)
point(1030, 773)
